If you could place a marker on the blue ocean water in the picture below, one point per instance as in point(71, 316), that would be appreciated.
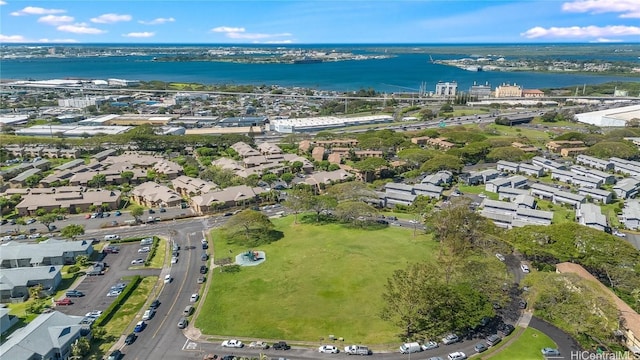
point(404, 72)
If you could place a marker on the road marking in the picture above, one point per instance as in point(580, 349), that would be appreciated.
point(186, 343)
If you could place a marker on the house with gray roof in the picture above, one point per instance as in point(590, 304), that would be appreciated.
point(481, 177)
point(591, 215)
point(439, 178)
point(429, 190)
point(600, 164)
point(498, 206)
point(6, 320)
point(404, 194)
point(48, 336)
point(628, 167)
point(526, 216)
point(104, 154)
point(562, 175)
point(564, 197)
point(20, 179)
point(603, 196)
point(525, 201)
point(511, 214)
point(495, 184)
point(604, 177)
point(15, 254)
point(586, 181)
point(627, 188)
point(518, 181)
point(631, 215)
point(530, 169)
point(507, 193)
point(15, 283)
point(507, 166)
point(543, 191)
point(548, 164)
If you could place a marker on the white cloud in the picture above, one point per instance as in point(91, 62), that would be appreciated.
point(110, 18)
point(228, 29)
point(2, 2)
point(12, 38)
point(157, 21)
point(574, 32)
point(145, 34)
point(55, 19)
point(254, 36)
point(627, 8)
point(605, 40)
point(80, 28)
point(33, 10)
point(57, 41)
point(277, 42)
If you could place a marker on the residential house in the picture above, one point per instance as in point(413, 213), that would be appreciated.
point(530, 169)
point(556, 195)
point(481, 177)
point(187, 186)
point(604, 177)
point(557, 146)
point(514, 214)
point(630, 320)
point(233, 196)
point(498, 206)
point(586, 181)
point(20, 179)
point(70, 165)
point(440, 143)
point(627, 167)
point(7, 321)
point(421, 140)
point(573, 151)
point(562, 175)
point(518, 181)
point(104, 154)
point(507, 166)
point(49, 252)
point(151, 194)
point(398, 194)
point(627, 188)
point(244, 149)
point(524, 147)
point(304, 146)
point(74, 202)
point(48, 336)
point(266, 148)
point(591, 215)
point(548, 164)
point(321, 178)
point(349, 143)
point(631, 215)
point(508, 193)
point(600, 164)
point(15, 282)
point(362, 154)
point(168, 168)
point(318, 153)
point(495, 184)
point(429, 190)
point(525, 216)
point(525, 201)
point(603, 196)
point(443, 177)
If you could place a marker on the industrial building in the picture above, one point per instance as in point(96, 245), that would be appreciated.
point(325, 122)
point(617, 117)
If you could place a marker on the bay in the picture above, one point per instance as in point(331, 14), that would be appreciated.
point(401, 73)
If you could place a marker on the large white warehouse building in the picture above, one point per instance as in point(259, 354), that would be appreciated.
point(617, 117)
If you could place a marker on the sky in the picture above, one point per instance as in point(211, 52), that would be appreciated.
point(319, 21)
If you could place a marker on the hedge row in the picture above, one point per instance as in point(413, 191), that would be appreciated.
point(128, 240)
point(108, 313)
point(152, 252)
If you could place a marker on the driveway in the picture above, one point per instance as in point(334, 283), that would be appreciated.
point(564, 341)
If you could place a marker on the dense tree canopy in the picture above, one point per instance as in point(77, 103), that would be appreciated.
point(607, 149)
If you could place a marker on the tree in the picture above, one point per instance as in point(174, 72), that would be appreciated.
point(370, 165)
point(353, 211)
point(137, 211)
point(98, 180)
point(322, 203)
point(48, 219)
point(296, 166)
point(249, 225)
point(287, 177)
point(508, 153)
point(34, 291)
point(33, 180)
point(298, 200)
point(82, 260)
point(127, 176)
point(351, 190)
point(80, 348)
point(72, 231)
point(270, 178)
point(442, 162)
point(607, 149)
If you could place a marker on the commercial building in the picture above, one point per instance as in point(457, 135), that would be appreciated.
point(616, 117)
point(325, 122)
point(446, 89)
point(480, 91)
point(506, 90)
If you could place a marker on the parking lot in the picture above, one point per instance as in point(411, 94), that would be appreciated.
point(95, 288)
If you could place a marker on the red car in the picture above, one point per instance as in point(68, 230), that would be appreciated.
point(65, 301)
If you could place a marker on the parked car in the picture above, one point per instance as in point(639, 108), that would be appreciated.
point(144, 249)
point(119, 286)
point(550, 352)
point(458, 355)
point(522, 304)
point(357, 350)
point(148, 314)
point(281, 345)
point(115, 355)
point(328, 349)
point(204, 256)
point(450, 339)
point(74, 293)
point(182, 323)
point(174, 259)
point(194, 297)
point(507, 329)
point(429, 345)
point(167, 278)
point(130, 339)
point(203, 269)
point(259, 345)
point(94, 313)
point(163, 210)
point(524, 268)
point(138, 261)
point(201, 280)
point(493, 339)
point(114, 293)
point(480, 347)
point(139, 326)
point(30, 221)
point(155, 304)
point(117, 213)
point(233, 343)
point(65, 301)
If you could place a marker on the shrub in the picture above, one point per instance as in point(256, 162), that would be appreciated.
point(73, 269)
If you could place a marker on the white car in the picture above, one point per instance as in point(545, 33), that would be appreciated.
point(148, 314)
point(167, 278)
point(328, 349)
point(259, 345)
point(137, 262)
point(144, 249)
point(525, 268)
point(619, 234)
point(450, 339)
point(174, 260)
point(94, 314)
point(194, 297)
point(458, 355)
point(232, 343)
point(114, 293)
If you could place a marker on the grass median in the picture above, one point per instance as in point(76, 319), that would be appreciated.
point(318, 280)
point(526, 347)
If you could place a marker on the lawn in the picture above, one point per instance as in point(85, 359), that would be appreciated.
point(318, 280)
point(526, 347)
point(477, 189)
point(128, 311)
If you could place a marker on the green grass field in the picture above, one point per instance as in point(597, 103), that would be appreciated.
point(526, 347)
point(319, 280)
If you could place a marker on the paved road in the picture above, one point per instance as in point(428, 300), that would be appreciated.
point(565, 343)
